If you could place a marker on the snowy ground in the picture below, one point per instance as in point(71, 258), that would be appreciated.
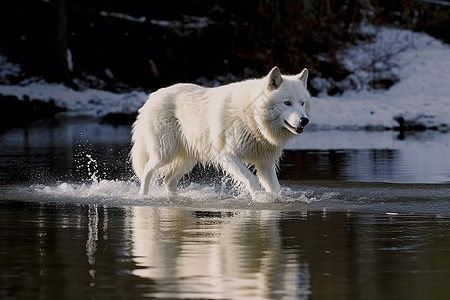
point(422, 95)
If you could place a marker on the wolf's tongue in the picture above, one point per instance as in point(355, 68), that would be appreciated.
point(299, 129)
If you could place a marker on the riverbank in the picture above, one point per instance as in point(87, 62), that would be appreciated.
point(419, 99)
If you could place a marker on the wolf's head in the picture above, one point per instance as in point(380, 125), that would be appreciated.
point(283, 109)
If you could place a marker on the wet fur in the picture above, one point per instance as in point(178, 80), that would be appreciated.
point(230, 126)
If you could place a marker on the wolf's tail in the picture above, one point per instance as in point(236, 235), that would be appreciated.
point(139, 156)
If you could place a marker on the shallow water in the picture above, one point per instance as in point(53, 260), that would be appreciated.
point(362, 215)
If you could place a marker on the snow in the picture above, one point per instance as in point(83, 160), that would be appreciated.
point(7, 69)
point(188, 22)
point(123, 16)
point(422, 94)
point(89, 102)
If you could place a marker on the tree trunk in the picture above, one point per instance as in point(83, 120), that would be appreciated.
point(59, 69)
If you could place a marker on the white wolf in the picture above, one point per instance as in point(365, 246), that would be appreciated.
point(231, 126)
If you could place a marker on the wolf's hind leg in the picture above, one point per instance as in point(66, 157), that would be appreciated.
point(176, 173)
point(161, 149)
point(149, 170)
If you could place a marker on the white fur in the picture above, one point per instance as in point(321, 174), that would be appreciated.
point(231, 126)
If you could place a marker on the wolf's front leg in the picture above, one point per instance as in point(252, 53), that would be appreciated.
point(236, 168)
point(268, 177)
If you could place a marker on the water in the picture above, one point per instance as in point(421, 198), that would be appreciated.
point(363, 215)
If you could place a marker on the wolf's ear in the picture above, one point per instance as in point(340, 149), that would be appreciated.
point(303, 76)
point(275, 79)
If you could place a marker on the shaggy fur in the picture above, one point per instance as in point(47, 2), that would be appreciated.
point(231, 126)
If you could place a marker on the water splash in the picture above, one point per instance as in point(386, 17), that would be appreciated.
point(194, 195)
point(213, 190)
point(92, 168)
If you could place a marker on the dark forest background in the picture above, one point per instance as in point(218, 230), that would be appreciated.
point(122, 45)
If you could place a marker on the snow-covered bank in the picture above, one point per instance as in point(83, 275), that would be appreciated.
point(422, 94)
point(89, 102)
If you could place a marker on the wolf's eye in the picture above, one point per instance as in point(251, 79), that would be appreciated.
point(288, 103)
point(303, 103)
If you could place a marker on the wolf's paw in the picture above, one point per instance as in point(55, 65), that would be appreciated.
point(266, 197)
point(171, 193)
point(143, 191)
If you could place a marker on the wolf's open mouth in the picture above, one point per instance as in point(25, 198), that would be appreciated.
point(294, 130)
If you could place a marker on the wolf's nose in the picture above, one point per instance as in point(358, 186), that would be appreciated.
point(304, 121)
